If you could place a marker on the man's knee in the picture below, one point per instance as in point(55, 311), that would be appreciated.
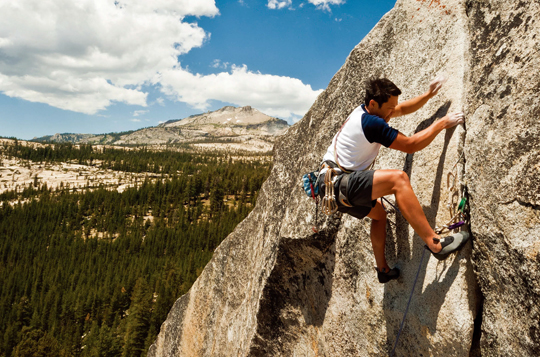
point(387, 182)
point(401, 180)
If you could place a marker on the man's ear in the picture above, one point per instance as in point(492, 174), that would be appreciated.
point(373, 104)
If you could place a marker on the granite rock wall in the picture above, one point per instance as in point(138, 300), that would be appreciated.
point(503, 171)
point(274, 287)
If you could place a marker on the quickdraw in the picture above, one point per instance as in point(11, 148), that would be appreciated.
point(329, 205)
point(311, 188)
point(458, 218)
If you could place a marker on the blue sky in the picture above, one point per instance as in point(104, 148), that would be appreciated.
point(97, 66)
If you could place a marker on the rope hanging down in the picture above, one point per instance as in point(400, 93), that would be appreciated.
point(414, 284)
point(409, 303)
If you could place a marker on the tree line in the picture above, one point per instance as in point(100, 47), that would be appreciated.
point(140, 159)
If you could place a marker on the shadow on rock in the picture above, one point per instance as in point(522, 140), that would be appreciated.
point(296, 295)
point(401, 248)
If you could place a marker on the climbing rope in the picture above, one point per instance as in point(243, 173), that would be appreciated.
point(414, 284)
point(390, 203)
point(409, 303)
point(329, 205)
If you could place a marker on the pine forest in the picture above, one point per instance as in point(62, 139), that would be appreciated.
point(94, 271)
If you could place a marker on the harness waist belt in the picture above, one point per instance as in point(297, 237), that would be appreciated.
point(329, 164)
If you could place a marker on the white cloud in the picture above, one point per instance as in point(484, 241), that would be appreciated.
point(83, 55)
point(320, 4)
point(278, 4)
point(218, 64)
point(139, 112)
point(274, 95)
point(324, 4)
point(136, 120)
point(160, 101)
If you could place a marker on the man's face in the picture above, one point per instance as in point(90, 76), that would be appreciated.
point(384, 111)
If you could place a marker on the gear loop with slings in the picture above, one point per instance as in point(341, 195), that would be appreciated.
point(329, 204)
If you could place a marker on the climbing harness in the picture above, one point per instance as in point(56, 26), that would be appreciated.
point(310, 183)
point(458, 218)
point(331, 176)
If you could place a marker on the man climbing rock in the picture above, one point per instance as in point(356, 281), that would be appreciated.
point(357, 189)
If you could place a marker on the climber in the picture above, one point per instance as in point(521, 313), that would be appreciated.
point(358, 190)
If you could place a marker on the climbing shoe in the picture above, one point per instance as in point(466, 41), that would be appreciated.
point(451, 244)
point(385, 277)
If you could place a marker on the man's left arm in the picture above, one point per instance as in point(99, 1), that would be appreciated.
point(412, 105)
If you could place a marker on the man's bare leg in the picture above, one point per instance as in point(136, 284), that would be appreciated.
point(378, 235)
point(396, 182)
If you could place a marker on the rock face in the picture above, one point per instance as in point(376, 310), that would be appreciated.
point(503, 171)
point(276, 288)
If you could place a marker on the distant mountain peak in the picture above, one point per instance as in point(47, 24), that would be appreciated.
point(227, 115)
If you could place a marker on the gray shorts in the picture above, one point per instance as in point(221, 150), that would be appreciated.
point(358, 193)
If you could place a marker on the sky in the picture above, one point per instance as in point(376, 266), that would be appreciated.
point(100, 66)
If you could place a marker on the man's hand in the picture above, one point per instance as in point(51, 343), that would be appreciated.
point(423, 138)
point(412, 105)
point(436, 84)
point(453, 119)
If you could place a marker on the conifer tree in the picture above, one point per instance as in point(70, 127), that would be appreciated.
point(138, 320)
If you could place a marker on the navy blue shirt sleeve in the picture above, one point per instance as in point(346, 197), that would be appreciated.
point(377, 130)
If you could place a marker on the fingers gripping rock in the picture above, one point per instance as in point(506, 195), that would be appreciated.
point(455, 119)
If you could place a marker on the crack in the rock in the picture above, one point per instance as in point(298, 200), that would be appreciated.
point(521, 203)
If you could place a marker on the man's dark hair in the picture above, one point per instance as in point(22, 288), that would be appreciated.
point(380, 90)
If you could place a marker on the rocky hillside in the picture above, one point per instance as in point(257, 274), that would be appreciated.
point(229, 117)
point(228, 124)
point(276, 288)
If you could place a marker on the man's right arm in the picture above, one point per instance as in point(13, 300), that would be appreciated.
point(423, 138)
point(412, 105)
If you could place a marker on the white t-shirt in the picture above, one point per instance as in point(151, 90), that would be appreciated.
point(359, 140)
